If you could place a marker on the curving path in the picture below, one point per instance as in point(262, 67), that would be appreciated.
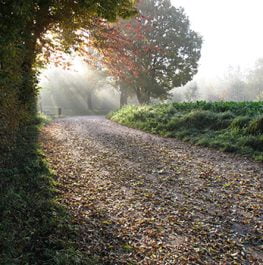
point(143, 199)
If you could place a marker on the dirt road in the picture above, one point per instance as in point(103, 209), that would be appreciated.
point(143, 199)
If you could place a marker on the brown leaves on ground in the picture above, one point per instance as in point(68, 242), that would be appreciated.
point(142, 199)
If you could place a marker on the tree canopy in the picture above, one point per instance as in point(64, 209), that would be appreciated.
point(154, 52)
point(23, 24)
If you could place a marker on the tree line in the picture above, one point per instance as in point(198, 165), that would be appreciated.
point(147, 55)
point(23, 24)
point(152, 53)
point(235, 85)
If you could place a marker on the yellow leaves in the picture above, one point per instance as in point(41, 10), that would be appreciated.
point(127, 247)
point(148, 195)
point(139, 199)
point(106, 222)
point(227, 185)
point(137, 183)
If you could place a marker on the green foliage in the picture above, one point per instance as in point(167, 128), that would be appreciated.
point(240, 122)
point(34, 227)
point(256, 126)
point(201, 120)
point(23, 25)
point(229, 126)
point(164, 48)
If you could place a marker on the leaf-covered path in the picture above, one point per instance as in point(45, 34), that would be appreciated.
point(143, 199)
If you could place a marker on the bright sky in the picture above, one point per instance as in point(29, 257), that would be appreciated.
point(232, 32)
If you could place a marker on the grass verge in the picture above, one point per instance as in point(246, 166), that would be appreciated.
point(228, 126)
point(34, 227)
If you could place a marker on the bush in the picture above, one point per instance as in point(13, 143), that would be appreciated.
point(256, 126)
point(240, 122)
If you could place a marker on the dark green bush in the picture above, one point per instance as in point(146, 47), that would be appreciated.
point(34, 227)
point(256, 126)
point(240, 122)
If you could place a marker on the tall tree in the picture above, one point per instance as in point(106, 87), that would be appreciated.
point(153, 52)
point(23, 24)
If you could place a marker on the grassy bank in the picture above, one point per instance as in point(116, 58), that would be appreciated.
point(34, 227)
point(228, 126)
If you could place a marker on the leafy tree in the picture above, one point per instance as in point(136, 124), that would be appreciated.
point(64, 17)
point(23, 24)
point(154, 52)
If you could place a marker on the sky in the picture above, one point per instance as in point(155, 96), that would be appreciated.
point(232, 33)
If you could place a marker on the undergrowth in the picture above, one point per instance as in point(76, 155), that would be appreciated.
point(228, 126)
point(34, 227)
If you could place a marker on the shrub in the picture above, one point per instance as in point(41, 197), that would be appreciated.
point(256, 125)
point(240, 122)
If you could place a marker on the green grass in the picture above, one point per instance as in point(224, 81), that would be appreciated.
point(228, 126)
point(34, 227)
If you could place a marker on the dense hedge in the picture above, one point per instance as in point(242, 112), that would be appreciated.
point(23, 25)
point(34, 227)
point(228, 126)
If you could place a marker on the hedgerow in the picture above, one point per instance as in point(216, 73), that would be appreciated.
point(229, 126)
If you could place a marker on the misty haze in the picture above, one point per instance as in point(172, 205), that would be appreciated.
point(83, 91)
point(76, 92)
point(131, 132)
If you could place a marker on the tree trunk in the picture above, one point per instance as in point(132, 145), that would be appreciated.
point(123, 97)
point(27, 92)
point(142, 96)
point(34, 29)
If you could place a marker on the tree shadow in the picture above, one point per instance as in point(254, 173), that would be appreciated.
point(100, 237)
point(34, 227)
